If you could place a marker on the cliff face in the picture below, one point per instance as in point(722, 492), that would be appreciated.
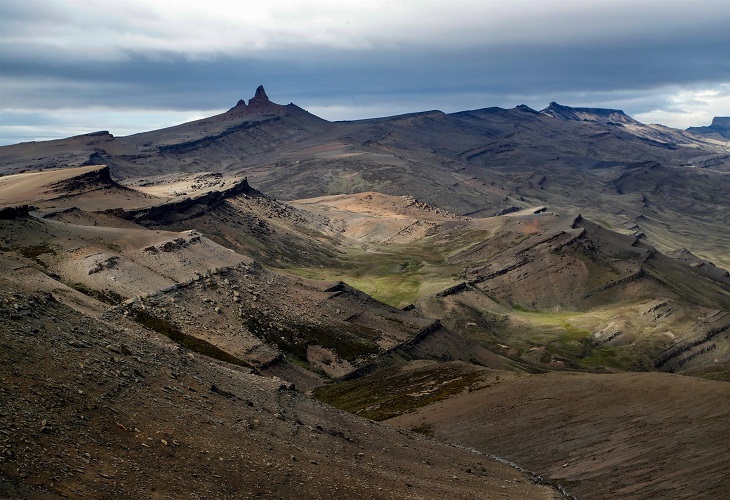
point(720, 126)
point(721, 122)
point(188, 208)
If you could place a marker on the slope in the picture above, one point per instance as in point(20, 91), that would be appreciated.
point(639, 436)
point(97, 406)
point(477, 162)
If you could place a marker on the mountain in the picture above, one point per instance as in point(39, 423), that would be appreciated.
point(216, 143)
point(720, 126)
point(535, 290)
point(605, 116)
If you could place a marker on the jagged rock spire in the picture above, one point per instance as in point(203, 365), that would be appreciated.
point(260, 99)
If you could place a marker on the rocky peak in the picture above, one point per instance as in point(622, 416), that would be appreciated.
point(527, 109)
point(260, 99)
point(257, 104)
point(720, 127)
point(721, 122)
point(608, 116)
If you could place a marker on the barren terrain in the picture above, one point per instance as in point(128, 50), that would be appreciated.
point(543, 297)
point(638, 435)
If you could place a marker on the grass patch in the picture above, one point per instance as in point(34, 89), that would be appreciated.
point(559, 333)
point(482, 327)
point(35, 251)
point(396, 277)
point(399, 274)
point(112, 246)
point(195, 344)
point(391, 392)
point(294, 338)
point(425, 429)
point(521, 308)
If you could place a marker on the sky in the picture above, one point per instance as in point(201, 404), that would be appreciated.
point(71, 67)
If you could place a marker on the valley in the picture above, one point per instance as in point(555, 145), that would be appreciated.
point(266, 304)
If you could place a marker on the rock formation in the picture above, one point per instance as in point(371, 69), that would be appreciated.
point(606, 116)
point(720, 125)
point(258, 104)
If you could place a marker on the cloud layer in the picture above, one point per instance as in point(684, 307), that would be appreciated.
point(72, 67)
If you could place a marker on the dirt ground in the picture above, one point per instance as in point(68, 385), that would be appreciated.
point(628, 435)
point(97, 407)
point(95, 404)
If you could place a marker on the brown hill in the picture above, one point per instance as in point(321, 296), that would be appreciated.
point(600, 436)
point(478, 162)
point(430, 257)
point(95, 406)
point(88, 188)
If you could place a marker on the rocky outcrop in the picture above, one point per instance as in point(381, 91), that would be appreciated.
point(686, 350)
point(614, 283)
point(89, 181)
point(258, 104)
point(452, 290)
point(601, 115)
point(188, 208)
point(259, 99)
point(704, 267)
point(720, 126)
point(10, 213)
point(400, 351)
point(240, 105)
point(721, 122)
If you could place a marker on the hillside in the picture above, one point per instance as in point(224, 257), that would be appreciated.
point(538, 299)
point(477, 162)
point(601, 436)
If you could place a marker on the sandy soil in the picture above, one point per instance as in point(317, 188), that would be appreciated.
point(87, 188)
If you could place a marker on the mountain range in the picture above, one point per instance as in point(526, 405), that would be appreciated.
point(187, 311)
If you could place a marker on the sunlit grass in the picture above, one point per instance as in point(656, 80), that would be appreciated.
point(395, 274)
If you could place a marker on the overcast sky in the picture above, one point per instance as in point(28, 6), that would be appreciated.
point(70, 67)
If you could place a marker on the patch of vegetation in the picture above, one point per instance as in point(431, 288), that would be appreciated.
point(195, 344)
point(482, 327)
point(410, 266)
point(521, 308)
point(294, 339)
point(604, 223)
point(396, 277)
point(558, 333)
point(112, 246)
point(520, 238)
point(425, 429)
point(393, 391)
point(33, 251)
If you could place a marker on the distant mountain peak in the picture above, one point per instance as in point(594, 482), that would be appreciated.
point(260, 98)
point(720, 127)
point(721, 122)
point(527, 109)
point(258, 103)
point(587, 114)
